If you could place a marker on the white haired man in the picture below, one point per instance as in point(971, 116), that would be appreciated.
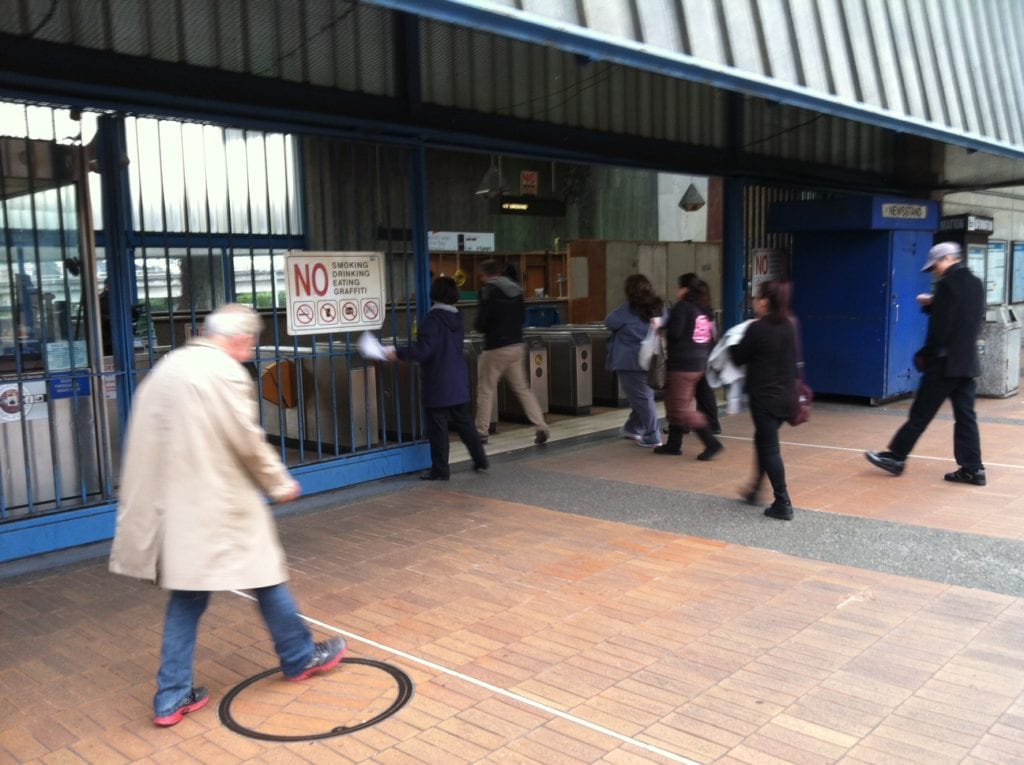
point(949, 364)
point(192, 514)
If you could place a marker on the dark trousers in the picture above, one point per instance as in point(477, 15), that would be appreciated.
point(707, 403)
point(769, 455)
point(437, 432)
point(933, 390)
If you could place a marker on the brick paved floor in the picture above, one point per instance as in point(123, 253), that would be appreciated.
point(536, 636)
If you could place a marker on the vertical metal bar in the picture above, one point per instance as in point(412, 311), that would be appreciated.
point(113, 153)
point(5, 221)
point(41, 336)
point(20, 295)
point(418, 223)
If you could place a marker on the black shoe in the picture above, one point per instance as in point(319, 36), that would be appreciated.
point(750, 496)
point(430, 475)
point(481, 467)
point(710, 452)
point(542, 438)
point(780, 511)
point(667, 449)
point(326, 655)
point(197, 699)
point(977, 478)
point(888, 461)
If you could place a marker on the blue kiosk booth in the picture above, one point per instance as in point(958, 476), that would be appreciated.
point(856, 271)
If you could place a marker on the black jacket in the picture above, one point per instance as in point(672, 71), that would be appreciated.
point(955, 316)
point(689, 336)
point(500, 313)
point(768, 349)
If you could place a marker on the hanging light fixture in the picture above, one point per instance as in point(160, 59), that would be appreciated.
point(691, 201)
point(490, 184)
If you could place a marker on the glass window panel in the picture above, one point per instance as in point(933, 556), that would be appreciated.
point(259, 278)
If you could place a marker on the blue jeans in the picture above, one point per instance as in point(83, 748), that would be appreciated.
point(292, 640)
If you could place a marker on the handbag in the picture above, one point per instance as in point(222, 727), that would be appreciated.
point(649, 346)
point(802, 393)
point(804, 399)
point(657, 374)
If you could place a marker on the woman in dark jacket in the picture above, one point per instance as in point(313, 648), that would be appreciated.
point(444, 379)
point(689, 335)
point(768, 349)
point(629, 324)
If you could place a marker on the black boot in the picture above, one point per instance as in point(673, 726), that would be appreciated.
point(674, 444)
point(712, 445)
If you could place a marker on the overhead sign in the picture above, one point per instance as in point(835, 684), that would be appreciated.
point(334, 291)
point(966, 222)
point(904, 211)
point(459, 241)
point(529, 181)
point(527, 205)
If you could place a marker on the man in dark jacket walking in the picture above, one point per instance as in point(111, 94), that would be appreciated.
point(444, 379)
point(949, 365)
point(499, 317)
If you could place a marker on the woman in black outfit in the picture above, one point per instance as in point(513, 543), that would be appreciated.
point(690, 334)
point(768, 349)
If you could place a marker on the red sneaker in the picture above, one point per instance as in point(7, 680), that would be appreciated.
point(326, 655)
point(197, 699)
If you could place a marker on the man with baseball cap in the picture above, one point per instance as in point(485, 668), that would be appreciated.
point(949, 365)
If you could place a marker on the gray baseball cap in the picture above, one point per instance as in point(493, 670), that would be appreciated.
point(939, 251)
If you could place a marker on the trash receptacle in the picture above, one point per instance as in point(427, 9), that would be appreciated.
point(999, 348)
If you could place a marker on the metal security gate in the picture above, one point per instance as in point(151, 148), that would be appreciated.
point(120, 233)
point(52, 441)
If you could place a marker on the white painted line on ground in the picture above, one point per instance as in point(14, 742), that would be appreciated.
point(861, 451)
point(496, 690)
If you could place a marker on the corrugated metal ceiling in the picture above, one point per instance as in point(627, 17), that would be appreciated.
point(829, 84)
point(945, 69)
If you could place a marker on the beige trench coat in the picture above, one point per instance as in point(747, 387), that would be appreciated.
point(192, 513)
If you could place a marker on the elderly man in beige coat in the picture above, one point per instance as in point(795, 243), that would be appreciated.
point(192, 515)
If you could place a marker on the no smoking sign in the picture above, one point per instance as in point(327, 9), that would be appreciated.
point(334, 291)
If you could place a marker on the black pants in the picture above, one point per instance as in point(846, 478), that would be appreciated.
point(935, 388)
point(707, 403)
point(769, 455)
point(437, 432)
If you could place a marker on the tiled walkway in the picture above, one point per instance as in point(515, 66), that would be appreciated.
point(536, 635)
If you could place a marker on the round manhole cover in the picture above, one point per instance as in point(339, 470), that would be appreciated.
point(356, 694)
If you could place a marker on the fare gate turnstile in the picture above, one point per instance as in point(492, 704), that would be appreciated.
point(319, 398)
point(604, 382)
point(570, 364)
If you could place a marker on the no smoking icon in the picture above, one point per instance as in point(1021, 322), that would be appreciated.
point(304, 313)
